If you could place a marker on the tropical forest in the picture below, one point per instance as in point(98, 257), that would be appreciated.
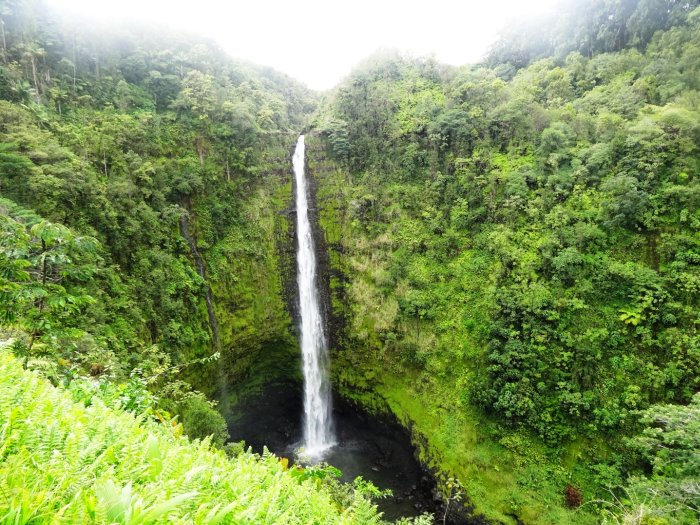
point(431, 294)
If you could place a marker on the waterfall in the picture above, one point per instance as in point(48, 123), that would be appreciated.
point(318, 433)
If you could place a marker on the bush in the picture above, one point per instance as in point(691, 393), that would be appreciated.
point(573, 497)
point(200, 419)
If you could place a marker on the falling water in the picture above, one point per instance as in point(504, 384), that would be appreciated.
point(318, 434)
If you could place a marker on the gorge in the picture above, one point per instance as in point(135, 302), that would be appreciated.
point(475, 285)
point(301, 423)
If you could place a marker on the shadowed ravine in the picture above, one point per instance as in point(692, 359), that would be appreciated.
point(378, 450)
point(289, 418)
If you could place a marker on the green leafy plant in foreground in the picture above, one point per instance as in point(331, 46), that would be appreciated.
point(64, 462)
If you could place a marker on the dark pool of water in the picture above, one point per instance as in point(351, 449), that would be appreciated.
point(377, 450)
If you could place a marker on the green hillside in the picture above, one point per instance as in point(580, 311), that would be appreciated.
point(516, 243)
point(510, 252)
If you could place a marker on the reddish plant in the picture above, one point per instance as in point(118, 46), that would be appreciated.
point(573, 496)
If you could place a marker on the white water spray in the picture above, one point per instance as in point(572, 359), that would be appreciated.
point(318, 433)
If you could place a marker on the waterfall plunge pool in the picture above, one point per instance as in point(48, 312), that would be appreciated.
point(377, 450)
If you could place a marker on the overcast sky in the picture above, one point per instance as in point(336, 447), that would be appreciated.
point(319, 41)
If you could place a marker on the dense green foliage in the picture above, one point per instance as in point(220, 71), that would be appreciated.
point(590, 28)
point(519, 249)
point(68, 461)
point(672, 440)
point(514, 252)
point(141, 177)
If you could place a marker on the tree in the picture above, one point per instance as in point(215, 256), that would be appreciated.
point(626, 203)
point(671, 443)
point(197, 99)
point(41, 267)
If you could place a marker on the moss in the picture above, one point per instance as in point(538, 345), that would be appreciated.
point(500, 482)
point(249, 268)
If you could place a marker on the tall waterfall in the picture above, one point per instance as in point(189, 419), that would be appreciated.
point(318, 433)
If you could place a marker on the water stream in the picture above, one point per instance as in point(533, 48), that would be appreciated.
point(339, 433)
point(318, 425)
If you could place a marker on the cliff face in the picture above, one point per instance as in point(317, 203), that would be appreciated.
point(252, 274)
point(332, 194)
point(326, 246)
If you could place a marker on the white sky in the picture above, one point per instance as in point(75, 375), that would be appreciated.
point(317, 41)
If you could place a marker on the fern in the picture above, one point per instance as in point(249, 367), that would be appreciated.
point(63, 463)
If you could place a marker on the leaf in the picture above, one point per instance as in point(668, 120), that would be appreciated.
point(115, 499)
point(154, 513)
point(215, 516)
